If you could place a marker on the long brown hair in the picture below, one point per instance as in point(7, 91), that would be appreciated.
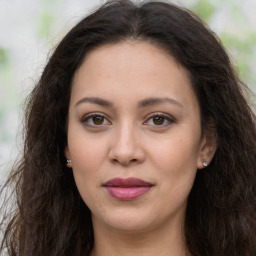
point(51, 218)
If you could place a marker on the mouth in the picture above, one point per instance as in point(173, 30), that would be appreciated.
point(127, 189)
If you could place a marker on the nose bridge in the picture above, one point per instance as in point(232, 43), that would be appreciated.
point(125, 137)
point(125, 146)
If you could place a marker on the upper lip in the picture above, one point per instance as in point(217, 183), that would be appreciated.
point(127, 183)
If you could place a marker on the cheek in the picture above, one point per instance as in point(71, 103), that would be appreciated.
point(86, 160)
point(87, 150)
point(176, 162)
point(176, 153)
point(87, 157)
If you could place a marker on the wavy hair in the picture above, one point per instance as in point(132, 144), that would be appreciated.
point(52, 219)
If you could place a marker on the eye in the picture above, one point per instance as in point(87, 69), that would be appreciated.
point(159, 119)
point(94, 120)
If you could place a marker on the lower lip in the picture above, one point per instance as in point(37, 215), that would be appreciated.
point(126, 194)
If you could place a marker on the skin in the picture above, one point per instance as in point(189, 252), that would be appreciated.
point(160, 142)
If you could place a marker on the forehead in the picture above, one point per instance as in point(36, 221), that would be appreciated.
point(131, 68)
point(140, 54)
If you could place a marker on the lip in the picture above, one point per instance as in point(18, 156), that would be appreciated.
point(127, 189)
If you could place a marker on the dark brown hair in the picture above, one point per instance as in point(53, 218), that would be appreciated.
point(51, 218)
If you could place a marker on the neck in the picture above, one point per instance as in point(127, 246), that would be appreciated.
point(164, 241)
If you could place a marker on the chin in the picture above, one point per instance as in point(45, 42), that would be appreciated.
point(127, 221)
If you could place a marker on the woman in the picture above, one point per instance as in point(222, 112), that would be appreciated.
point(138, 141)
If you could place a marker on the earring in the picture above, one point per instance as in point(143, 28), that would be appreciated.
point(69, 163)
point(205, 164)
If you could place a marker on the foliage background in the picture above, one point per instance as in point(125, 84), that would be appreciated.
point(30, 29)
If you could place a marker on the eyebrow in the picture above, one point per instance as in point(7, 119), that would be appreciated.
point(95, 100)
point(156, 101)
point(143, 103)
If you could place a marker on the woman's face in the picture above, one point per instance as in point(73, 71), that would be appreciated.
point(134, 136)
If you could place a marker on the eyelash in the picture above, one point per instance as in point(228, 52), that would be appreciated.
point(85, 119)
point(166, 118)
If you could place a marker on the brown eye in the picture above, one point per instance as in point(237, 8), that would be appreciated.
point(158, 120)
point(95, 120)
point(98, 120)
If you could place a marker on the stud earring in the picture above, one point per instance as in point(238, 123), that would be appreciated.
point(69, 163)
point(205, 164)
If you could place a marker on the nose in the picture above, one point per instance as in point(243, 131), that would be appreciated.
point(126, 148)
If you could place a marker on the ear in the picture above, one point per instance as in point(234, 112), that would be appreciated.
point(66, 152)
point(208, 146)
point(67, 155)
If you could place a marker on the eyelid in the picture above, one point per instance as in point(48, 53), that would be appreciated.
point(91, 115)
point(167, 117)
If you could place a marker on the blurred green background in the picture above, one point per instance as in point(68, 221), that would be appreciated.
point(30, 29)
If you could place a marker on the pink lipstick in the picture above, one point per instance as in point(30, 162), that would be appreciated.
point(127, 189)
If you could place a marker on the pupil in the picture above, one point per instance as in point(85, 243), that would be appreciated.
point(98, 120)
point(158, 120)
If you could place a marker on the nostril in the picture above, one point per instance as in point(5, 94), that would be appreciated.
point(126, 152)
point(124, 162)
